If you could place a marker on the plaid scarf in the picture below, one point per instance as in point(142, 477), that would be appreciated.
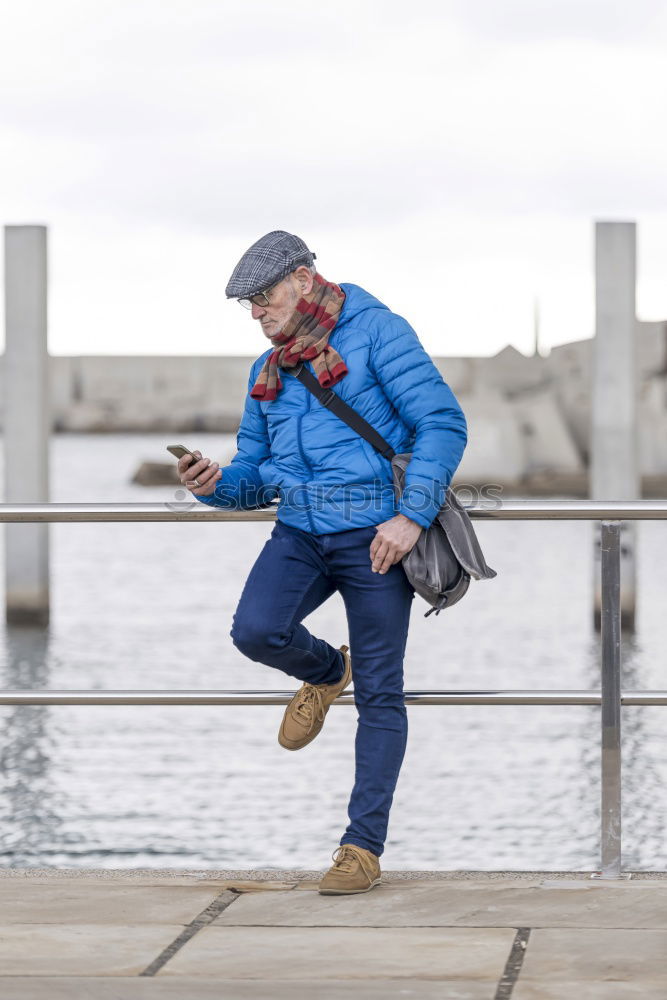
point(304, 338)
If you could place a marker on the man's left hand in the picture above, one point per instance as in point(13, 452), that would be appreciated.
point(394, 538)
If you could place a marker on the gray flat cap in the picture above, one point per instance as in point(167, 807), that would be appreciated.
point(266, 262)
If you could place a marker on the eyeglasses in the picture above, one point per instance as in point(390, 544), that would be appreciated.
point(260, 299)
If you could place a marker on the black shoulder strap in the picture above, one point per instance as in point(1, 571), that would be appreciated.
point(346, 413)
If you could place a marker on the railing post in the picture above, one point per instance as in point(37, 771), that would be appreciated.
point(610, 622)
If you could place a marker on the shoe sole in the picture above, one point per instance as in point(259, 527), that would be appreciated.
point(348, 892)
point(346, 679)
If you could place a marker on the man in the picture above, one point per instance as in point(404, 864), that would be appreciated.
point(339, 526)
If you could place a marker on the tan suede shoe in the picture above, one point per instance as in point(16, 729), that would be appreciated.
point(354, 870)
point(304, 716)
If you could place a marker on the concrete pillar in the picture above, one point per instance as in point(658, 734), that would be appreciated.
point(615, 473)
point(536, 328)
point(27, 422)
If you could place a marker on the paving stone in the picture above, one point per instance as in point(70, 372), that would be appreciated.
point(555, 955)
point(285, 953)
point(121, 877)
point(76, 903)
point(188, 988)
point(75, 950)
point(269, 878)
point(459, 904)
point(641, 989)
point(390, 881)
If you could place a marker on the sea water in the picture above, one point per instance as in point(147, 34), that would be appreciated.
point(149, 606)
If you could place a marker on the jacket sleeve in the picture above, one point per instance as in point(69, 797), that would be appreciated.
point(240, 487)
point(431, 412)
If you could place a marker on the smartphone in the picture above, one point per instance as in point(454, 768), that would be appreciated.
point(179, 450)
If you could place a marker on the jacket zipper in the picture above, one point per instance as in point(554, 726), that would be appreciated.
point(303, 456)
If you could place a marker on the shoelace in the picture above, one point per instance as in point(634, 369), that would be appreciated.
point(344, 859)
point(309, 707)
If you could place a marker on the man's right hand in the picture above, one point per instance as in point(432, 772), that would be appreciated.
point(206, 473)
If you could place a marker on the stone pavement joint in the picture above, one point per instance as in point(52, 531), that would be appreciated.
point(213, 910)
point(512, 969)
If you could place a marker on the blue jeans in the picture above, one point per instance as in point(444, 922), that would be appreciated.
point(296, 572)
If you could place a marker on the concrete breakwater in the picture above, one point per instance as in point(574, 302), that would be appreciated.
point(529, 417)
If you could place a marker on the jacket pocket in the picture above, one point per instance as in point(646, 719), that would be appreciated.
point(380, 468)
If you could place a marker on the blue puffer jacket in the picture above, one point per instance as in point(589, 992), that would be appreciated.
point(326, 477)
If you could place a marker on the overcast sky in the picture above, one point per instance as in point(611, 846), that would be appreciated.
point(448, 156)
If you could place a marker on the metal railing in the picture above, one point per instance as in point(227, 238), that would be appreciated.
point(609, 697)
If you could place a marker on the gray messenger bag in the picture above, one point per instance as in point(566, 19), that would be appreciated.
point(447, 554)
